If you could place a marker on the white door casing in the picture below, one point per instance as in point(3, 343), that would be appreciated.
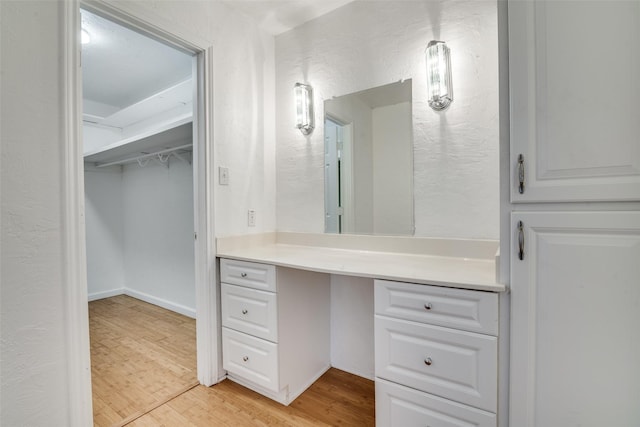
point(79, 370)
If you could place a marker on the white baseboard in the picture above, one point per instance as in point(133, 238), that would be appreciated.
point(178, 308)
point(105, 294)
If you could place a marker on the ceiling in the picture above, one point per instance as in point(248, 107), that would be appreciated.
point(278, 16)
point(121, 67)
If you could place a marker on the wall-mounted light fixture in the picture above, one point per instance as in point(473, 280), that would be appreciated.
point(439, 84)
point(304, 108)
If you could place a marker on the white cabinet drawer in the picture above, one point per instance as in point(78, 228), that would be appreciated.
point(249, 274)
point(473, 311)
point(458, 365)
point(251, 358)
point(399, 406)
point(251, 311)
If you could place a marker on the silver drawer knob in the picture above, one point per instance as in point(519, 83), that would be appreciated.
point(428, 306)
point(245, 311)
point(243, 274)
point(246, 358)
point(428, 361)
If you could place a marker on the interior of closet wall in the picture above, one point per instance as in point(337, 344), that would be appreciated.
point(137, 140)
point(139, 225)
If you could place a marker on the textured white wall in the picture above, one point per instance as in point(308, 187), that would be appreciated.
point(104, 225)
point(368, 44)
point(158, 234)
point(243, 108)
point(34, 385)
point(33, 372)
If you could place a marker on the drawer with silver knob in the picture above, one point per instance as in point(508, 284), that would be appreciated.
point(474, 311)
point(249, 310)
point(399, 406)
point(250, 358)
point(250, 274)
point(457, 365)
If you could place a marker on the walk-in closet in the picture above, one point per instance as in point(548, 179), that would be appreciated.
point(139, 207)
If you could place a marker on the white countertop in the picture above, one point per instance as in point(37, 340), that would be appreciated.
point(451, 271)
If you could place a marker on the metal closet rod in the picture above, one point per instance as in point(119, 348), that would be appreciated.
point(144, 156)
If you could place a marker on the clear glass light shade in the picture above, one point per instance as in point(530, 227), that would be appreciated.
point(304, 108)
point(439, 85)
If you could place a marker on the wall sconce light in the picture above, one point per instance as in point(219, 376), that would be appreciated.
point(439, 84)
point(304, 108)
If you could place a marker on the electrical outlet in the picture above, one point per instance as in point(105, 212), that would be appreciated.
point(223, 175)
point(251, 218)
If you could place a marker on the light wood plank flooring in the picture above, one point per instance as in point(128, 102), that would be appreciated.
point(140, 354)
point(143, 360)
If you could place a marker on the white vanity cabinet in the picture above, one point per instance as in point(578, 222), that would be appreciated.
point(275, 327)
point(436, 355)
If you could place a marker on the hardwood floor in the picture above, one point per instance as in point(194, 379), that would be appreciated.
point(140, 354)
point(144, 374)
point(336, 399)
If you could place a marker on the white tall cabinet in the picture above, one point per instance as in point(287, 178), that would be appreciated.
point(574, 71)
point(575, 322)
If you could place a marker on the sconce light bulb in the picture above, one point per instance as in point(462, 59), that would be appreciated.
point(439, 86)
point(303, 95)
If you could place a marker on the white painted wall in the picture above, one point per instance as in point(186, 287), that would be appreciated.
point(139, 223)
point(392, 196)
point(352, 337)
point(368, 44)
point(34, 386)
point(158, 234)
point(33, 372)
point(104, 224)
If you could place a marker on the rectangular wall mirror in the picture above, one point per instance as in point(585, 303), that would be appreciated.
point(369, 162)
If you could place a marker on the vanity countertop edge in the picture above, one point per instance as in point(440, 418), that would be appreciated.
point(342, 257)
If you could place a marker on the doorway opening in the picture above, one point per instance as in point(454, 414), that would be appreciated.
point(146, 152)
point(338, 188)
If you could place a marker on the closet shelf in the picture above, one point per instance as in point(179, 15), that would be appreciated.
point(162, 156)
point(177, 138)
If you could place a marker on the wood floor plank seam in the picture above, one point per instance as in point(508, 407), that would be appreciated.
point(155, 405)
point(143, 361)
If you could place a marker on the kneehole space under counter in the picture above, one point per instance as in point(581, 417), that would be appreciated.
point(431, 330)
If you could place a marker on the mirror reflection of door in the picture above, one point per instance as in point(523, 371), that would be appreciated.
point(338, 179)
point(369, 161)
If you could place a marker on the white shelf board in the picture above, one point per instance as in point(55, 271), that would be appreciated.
point(175, 134)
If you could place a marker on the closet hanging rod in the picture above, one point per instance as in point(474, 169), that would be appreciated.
point(144, 156)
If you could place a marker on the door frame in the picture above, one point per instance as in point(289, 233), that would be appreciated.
point(74, 251)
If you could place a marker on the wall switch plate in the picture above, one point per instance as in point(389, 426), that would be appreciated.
point(251, 218)
point(223, 175)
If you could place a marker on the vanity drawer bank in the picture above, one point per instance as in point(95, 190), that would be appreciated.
point(275, 327)
point(436, 355)
point(436, 300)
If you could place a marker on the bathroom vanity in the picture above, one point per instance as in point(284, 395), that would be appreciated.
point(436, 319)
